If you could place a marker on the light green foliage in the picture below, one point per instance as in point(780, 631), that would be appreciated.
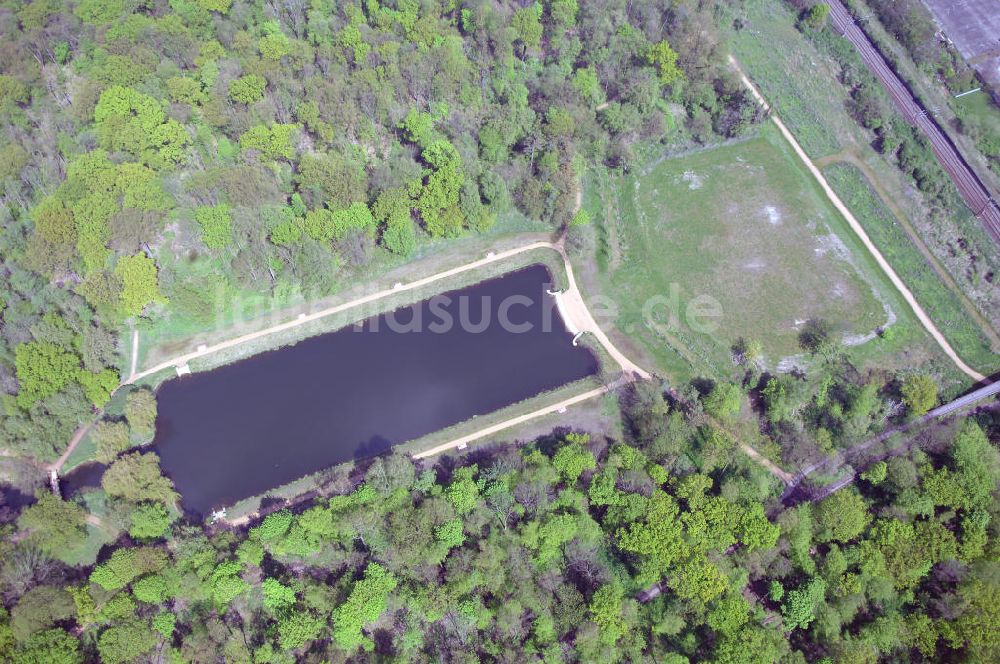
point(86, 608)
point(273, 141)
point(124, 565)
point(729, 614)
point(151, 589)
point(657, 538)
point(775, 395)
point(581, 218)
point(53, 646)
point(493, 146)
point(815, 17)
point(437, 201)
point(120, 606)
point(563, 12)
point(547, 537)
point(43, 368)
point(319, 225)
point(54, 221)
point(559, 123)
point(664, 58)
point(572, 459)
point(450, 534)
point(185, 90)
point(91, 215)
point(140, 286)
point(418, 127)
point(309, 114)
point(298, 628)
point(876, 473)
point(587, 84)
point(606, 611)
point(392, 211)
point(911, 549)
point(149, 520)
point(799, 609)
point(164, 623)
point(754, 529)
point(274, 526)
point(250, 552)
point(139, 188)
point(247, 89)
point(221, 6)
point(355, 217)
point(97, 387)
point(56, 527)
point(976, 627)
point(126, 641)
point(277, 597)
point(364, 606)
point(216, 224)
point(528, 26)
point(972, 475)
point(462, 492)
point(841, 517)
point(724, 401)
point(99, 12)
point(135, 122)
point(697, 580)
point(226, 583)
point(286, 233)
point(274, 44)
point(919, 393)
point(13, 93)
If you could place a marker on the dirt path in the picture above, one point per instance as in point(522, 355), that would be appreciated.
point(971, 188)
point(135, 353)
point(862, 235)
point(73, 442)
point(849, 156)
point(572, 298)
point(514, 421)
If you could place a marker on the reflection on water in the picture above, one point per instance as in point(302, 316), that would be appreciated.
point(241, 429)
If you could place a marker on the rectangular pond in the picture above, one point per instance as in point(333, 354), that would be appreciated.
point(241, 429)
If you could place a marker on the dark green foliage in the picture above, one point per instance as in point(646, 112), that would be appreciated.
point(56, 526)
point(40, 608)
point(136, 477)
point(306, 143)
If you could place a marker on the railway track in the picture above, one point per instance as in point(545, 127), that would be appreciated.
point(972, 190)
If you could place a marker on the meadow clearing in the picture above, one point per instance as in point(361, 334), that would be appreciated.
point(741, 225)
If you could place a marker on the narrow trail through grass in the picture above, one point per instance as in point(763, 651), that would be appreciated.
point(904, 291)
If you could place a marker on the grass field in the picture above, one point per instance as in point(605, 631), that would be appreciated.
point(982, 119)
point(794, 77)
point(963, 332)
point(745, 226)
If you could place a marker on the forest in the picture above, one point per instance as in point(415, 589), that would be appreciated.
point(150, 148)
point(573, 548)
point(156, 152)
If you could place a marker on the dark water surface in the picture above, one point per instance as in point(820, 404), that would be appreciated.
point(85, 476)
point(242, 429)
